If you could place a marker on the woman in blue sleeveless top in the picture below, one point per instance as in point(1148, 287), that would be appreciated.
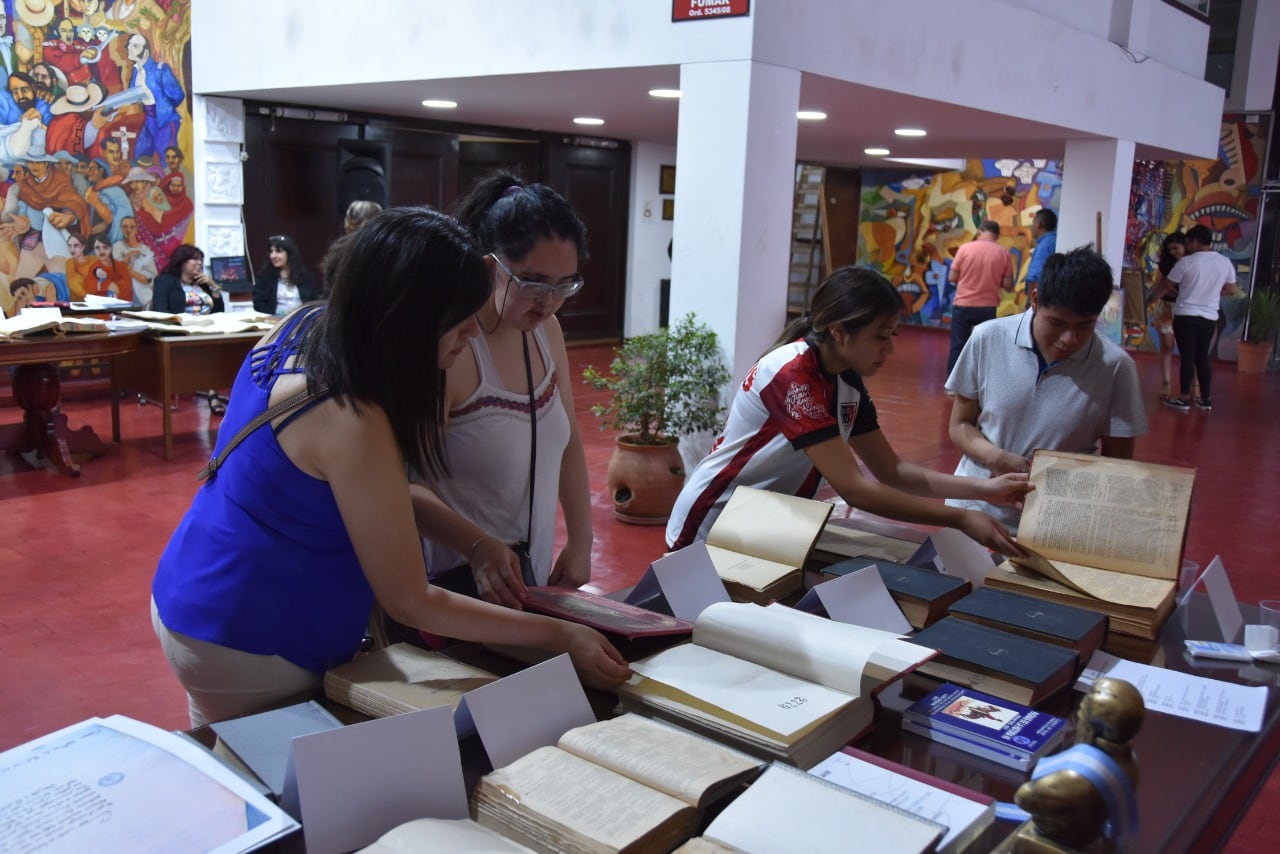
point(269, 579)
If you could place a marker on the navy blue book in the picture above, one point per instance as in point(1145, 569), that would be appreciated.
point(1007, 733)
point(1001, 663)
point(1052, 622)
point(922, 594)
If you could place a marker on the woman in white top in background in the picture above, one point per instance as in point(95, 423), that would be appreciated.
point(533, 242)
point(283, 282)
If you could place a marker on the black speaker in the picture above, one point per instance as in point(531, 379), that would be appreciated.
point(364, 172)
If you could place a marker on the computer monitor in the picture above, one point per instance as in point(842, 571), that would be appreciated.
point(232, 273)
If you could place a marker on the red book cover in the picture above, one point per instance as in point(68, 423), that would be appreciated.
point(603, 614)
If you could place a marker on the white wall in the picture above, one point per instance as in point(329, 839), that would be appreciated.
point(1253, 77)
point(1089, 16)
point(647, 238)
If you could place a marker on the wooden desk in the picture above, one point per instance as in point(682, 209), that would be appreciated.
point(163, 366)
point(38, 390)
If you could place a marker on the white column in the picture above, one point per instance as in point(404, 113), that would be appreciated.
point(1096, 176)
point(218, 174)
point(1253, 76)
point(735, 186)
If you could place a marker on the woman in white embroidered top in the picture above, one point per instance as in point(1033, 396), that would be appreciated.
point(283, 283)
point(533, 242)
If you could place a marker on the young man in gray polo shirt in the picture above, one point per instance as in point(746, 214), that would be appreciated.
point(1045, 379)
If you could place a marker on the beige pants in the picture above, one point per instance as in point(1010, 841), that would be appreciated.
point(222, 682)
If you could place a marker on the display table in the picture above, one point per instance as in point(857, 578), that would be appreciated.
point(38, 390)
point(163, 366)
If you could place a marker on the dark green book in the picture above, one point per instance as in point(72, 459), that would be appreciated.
point(1010, 666)
point(922, 594)
point(1052, 622)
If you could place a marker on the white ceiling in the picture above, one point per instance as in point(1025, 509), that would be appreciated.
point(857, 116)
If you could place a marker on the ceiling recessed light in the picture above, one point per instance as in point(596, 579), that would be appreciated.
point(876, 152)
point(438, 104)
point(587, 120)
point(910, 132)
point(811, 115)
point(665, 93)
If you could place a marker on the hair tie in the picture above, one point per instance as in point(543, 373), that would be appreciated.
point(512, 190)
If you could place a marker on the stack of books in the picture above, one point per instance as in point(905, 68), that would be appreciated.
point(774, 682)
point(1006, 733)
point(402, 678)
point(1103, 534)
point(1067, 626)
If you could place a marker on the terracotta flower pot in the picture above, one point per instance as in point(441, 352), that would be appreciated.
point(1252, 358)
point(644, 480)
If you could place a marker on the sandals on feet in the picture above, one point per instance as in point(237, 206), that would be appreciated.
point(217, 405)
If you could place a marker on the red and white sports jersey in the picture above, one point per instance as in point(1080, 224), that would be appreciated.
point(786, 403)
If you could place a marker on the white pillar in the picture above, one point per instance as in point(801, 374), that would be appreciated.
point(1253, 76)
point(219, 175)
point(1096, 177)
point(735, 187)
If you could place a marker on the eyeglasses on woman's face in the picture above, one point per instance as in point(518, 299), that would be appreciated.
point(540, 290)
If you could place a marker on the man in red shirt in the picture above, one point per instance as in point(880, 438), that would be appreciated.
point(980, 271)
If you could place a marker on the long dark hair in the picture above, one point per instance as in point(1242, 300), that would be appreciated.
point(297, 269)
point(508, 217)
point(852, 298)
point(180, 256)
point(400, 282)
point(1166, 262)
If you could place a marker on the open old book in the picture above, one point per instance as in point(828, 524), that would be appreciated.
point(626, 784)
point(47, 321)
point(760, 541)
point(776, 682)
point(218, 323)
point(1103, 534)
point(402, 678)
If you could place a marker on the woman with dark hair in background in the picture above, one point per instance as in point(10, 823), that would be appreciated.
point(183, 287)
point(270, 578)
point(284, 282)
point(803, 415)
point(532, 242)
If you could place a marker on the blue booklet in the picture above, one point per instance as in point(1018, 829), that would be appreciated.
point(999, 730)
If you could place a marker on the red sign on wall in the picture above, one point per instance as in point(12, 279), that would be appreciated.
point(701, 10)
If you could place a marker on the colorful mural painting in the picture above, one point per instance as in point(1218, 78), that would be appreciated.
point(1223, 194)
point(95, 132)
point(912, 225)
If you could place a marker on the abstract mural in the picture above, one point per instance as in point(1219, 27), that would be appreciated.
point(95, 135)
point(912, 224)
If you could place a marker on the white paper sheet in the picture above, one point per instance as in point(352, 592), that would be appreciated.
point(687, 579)
point(961, 557)
point(774, 700)
point(861, 599)
point(116, 784)
point(1182, 694)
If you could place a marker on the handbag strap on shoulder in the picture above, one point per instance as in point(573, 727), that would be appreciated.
point(284, 407)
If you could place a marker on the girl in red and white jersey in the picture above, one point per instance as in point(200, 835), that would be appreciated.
point(803, 413)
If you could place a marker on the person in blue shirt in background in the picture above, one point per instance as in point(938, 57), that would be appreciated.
point(1044, 228)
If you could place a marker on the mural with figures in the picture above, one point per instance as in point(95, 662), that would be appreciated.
point(1223, 194)
point(95, 134)
point(911, 225)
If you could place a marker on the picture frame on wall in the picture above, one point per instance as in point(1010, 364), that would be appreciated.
point(666, 181)
point(668, 208)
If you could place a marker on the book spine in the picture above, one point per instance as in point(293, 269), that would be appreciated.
point(998, 754)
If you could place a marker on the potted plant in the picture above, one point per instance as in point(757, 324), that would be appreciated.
point(1254, 351)
point(663, 385)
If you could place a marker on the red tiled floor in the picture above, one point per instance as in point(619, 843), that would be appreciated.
point(77, 554)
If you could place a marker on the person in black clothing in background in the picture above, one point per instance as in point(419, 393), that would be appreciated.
point(283, 283)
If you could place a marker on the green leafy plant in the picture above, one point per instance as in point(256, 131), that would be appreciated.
point(1264, 315)
point(664, 384)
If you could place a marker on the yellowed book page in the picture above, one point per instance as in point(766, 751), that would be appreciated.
point(780, 703)
point(698, 845)
point(804, 645)
point(1120, 588)
point(662, 757)
point(1122, 515)
point(400, 677)
point(580, 795)
point(841, 540)
point(461, 835)
point(769, 525)
point(748, 570)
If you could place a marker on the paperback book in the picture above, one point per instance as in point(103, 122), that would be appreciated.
point(1003, 732)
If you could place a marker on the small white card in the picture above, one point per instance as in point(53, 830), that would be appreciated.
point(687, 579)
point(859, 598)
point(355, 783)
point(961, 557)
point(1225, 607)
point(528, 709)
